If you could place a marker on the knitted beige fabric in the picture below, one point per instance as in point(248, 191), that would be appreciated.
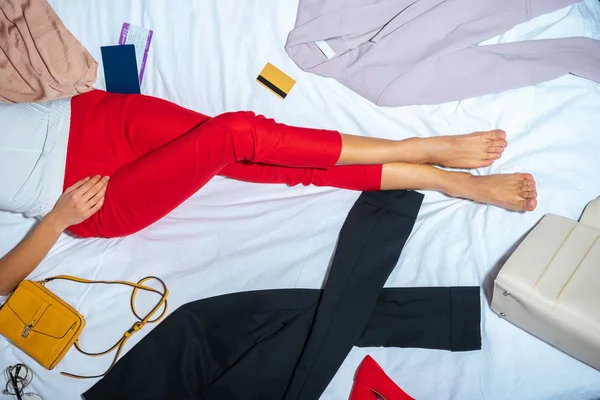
point(40, 59)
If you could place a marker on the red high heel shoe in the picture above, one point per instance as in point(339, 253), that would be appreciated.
point(372, 383)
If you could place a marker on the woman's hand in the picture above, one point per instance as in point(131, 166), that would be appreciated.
point(79, 202)
point(75, 205)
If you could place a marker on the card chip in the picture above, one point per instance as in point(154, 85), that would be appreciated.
point(276, 81)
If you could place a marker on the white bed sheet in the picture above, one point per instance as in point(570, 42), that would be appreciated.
point(234, 236)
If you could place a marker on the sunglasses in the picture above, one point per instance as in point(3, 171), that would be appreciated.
point(17, 378)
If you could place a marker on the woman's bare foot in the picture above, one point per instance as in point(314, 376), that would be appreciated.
point(474, 150)
point(511, 191)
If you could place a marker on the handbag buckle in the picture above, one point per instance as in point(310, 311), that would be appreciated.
point(26, 331)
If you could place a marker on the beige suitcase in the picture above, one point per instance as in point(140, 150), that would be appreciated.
point(550, 286)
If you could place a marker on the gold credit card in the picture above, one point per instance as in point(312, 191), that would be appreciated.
point(276, 81)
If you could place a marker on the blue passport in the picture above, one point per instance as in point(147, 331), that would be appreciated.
point(120, 69)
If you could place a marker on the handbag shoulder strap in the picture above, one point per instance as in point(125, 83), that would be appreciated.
point(139, 324)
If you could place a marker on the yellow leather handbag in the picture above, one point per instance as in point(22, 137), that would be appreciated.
point(45, 327)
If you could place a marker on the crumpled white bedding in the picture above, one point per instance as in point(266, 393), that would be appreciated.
point(235, 236)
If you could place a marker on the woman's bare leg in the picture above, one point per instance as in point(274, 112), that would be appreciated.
point(511, 191)
point(474, 150)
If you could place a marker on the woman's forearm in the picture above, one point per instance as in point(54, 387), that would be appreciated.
point(75, 205)
point(27, 255)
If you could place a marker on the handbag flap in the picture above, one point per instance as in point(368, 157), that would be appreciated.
point(556, 269)
point(48, 315)
point(530, 261)
point(564, 266)
point(578, 301)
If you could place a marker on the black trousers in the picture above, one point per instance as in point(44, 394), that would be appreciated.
point(289, 343)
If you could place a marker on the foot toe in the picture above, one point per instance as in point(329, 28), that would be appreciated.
point(526, 185)
point(527, 177)
point(530, 204)
point(528, 194)
point(497, 134)
point(500, 144)
point(494, 149)
point(492, 157)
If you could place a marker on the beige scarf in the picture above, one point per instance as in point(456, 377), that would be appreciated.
point(40, 60)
